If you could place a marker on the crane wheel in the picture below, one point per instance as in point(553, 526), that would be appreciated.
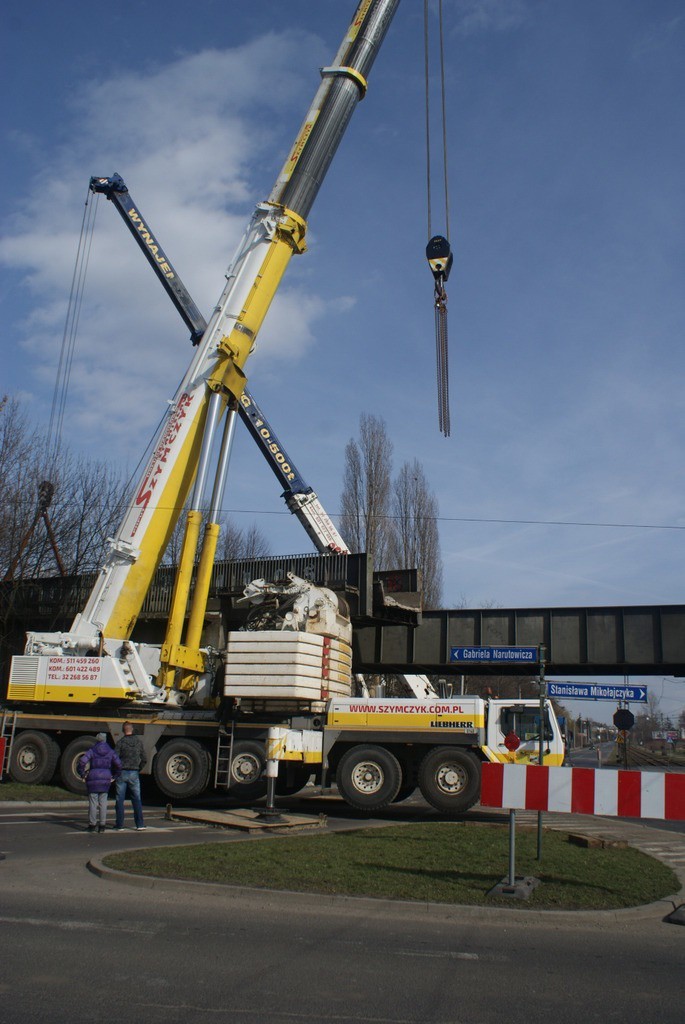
point(449, 779)
point(181, 769)
point(368, 777)
point(70, 758)
point(34, 757)
point(247, 779)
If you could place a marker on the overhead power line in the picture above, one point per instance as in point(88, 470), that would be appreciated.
point(441, 519)
point(560, 522)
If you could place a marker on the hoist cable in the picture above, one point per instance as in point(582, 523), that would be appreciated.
point(444, 123)
point(438, 248)
point(66, 357)
point(53, 438)
point(443, 116)
point(76, 316)
point(426, 61)
point(441, 296)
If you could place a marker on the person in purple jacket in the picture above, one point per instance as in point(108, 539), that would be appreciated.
point(99, 766)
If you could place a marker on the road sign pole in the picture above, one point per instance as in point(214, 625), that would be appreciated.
point(541, 747)
point(512, 848)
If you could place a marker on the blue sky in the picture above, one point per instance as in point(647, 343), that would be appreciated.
point(566, 302)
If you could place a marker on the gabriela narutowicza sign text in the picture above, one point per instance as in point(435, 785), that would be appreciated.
point(494, 655)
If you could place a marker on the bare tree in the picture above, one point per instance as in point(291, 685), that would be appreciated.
point(502, 686)
point(415, 541)
point(87, 509)
point(230, 540)
point(173, 549)
point(83, 511)
point(654, 709)
point(365, 503)
point(86, 506)
point(235, 542)
point(20, 451)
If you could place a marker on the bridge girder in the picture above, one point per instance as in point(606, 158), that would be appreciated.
point(628, 640)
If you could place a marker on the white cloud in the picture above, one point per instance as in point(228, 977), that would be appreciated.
point(186, 137)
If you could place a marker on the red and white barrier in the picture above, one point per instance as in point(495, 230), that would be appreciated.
point(623, 794)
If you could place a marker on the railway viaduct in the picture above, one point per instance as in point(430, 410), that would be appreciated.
point(392, 633)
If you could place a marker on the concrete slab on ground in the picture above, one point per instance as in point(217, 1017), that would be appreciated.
point(249, 819)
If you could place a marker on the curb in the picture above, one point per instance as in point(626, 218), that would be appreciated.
point(447, 911)
point(7, 805)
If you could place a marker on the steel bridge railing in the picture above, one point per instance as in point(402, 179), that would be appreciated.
point(62, 597)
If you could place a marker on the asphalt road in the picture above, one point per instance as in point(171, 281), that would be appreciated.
point(76, 947)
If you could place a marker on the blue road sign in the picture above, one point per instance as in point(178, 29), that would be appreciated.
point(598, 691)
point(496, 655)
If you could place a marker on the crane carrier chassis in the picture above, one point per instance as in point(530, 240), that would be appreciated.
point(377, 750)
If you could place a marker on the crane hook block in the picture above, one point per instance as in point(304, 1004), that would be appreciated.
point(440, 258)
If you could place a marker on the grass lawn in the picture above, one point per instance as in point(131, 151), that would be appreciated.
point(31, 793)
point(436, 862)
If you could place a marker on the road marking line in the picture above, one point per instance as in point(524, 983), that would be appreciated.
point(15, 823)
point(436, 954)
point(132, 832)
point(50, 814)
point(72, 926)
point(274, 1014)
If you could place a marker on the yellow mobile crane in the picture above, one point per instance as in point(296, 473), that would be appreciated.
point(285, 685)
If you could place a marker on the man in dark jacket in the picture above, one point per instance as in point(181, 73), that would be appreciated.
point(98, 766)
point(132, 756)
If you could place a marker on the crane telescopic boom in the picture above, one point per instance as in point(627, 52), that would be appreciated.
point(184, 449)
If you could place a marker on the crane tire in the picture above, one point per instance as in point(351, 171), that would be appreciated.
point(368, 777)
point(247, 780)
point(34, 757)
point(181, 769)
point(449, 779)
point(69, 760)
